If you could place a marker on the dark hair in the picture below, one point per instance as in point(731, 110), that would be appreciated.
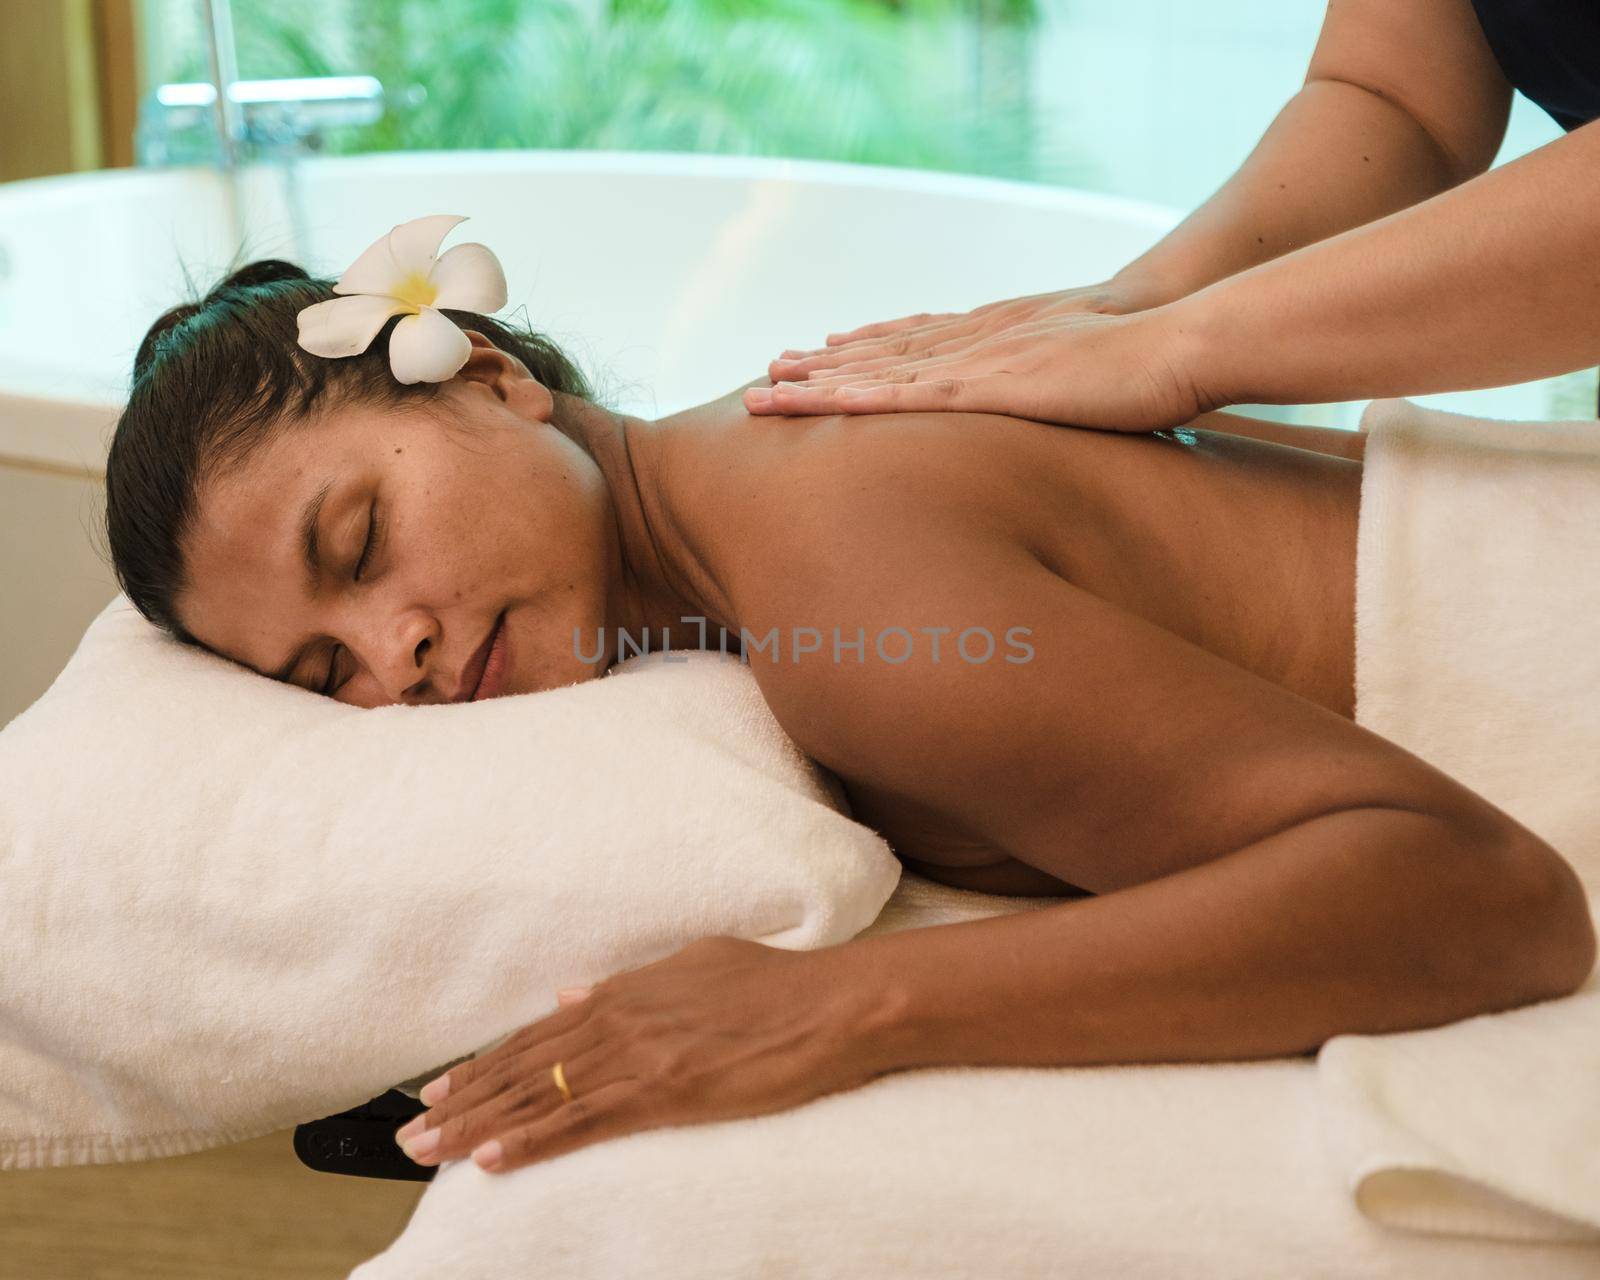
point(216, 379)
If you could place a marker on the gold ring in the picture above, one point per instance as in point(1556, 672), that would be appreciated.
point(561, 1082)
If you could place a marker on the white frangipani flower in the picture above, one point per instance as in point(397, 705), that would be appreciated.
point(404, 273)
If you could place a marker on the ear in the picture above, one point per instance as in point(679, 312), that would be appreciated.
point(507, 377)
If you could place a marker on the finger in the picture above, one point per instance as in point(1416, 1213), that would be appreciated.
point(758, 401)
point(608, 1112)
point(882, 327)
point(489, 1088)
point(916, 357)
point(523, 1095)
point(919, 346)
point(782, 370)
point(955, 362)
point(883, 396)
point(890, 344)
point(793, 399)
point(903, 345)
point(895, 373)
point(988, 313)
point(857, 368)
point(558, 1023)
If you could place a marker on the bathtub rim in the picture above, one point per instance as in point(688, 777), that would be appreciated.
point(56, 418)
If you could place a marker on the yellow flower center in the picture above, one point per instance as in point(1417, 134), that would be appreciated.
point(417, 291)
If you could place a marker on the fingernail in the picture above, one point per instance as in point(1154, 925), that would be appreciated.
point(488, 1155)
point(785, 386)
point(435, 1091)
point(406, 1132)
point(573, 993)
point(791, 355)
point(423, 1146)
point(851, 391)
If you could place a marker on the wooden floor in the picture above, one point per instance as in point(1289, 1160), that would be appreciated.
point(251, 1211)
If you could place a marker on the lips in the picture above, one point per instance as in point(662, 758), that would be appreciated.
point(493, 681)
point(472, 676)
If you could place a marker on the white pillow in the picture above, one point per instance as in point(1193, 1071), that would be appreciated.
point(228, 905)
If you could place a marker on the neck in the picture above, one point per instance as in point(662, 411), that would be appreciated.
point(657, 581)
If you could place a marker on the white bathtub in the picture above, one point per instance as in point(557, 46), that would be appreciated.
point(679, 275)
point(671, 278)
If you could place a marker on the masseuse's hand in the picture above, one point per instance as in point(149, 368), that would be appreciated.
point(1089, 356)
point(914, 336)
point(723, 1028)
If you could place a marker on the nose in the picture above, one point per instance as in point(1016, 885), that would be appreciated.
point(404, 658)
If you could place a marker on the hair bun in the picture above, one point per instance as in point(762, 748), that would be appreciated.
point(266, 271)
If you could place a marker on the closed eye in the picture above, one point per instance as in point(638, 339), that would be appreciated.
point(374, 524)
point(374, 528)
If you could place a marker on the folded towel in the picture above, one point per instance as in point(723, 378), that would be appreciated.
point(1477, 616)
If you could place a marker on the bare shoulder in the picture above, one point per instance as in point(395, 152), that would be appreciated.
point(851, 538)
point(748, 489)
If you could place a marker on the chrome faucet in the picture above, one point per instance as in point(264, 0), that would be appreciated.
point(260, 120)
point(232, 121)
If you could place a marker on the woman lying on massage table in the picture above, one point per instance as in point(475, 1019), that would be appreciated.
point(1041, 660)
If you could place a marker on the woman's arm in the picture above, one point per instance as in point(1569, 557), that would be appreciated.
point(1270, 874)
point(1490, 283)
point(1493, 282)
point(1368, 134)
point(1355, 921)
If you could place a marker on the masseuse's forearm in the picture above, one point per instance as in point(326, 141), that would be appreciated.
point(1495, 281)
point(1336, 156)
point(1368, 920)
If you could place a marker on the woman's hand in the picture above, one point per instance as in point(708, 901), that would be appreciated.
point(915, 337)
point(1131, 372)
point(724, 1028)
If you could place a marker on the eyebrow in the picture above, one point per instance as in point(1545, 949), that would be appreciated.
point(311, 556)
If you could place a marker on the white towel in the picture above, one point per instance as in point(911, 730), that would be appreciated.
point(1478, 649)
point(1180, 1171)
point(228, 905)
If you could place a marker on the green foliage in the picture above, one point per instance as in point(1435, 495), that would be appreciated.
point(871, 81)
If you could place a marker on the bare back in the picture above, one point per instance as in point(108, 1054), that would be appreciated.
point(1243, 548)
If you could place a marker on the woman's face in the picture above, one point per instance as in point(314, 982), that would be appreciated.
point(431, 527)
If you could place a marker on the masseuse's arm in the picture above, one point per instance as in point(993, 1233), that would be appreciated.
point(1365, 138)
point(1403, 99)
point(1270, 874)
point(1365, 135)
point(1493, 282)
